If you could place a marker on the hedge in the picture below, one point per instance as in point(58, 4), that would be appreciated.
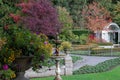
point(101, 67)
point(84, 47)
point(103, 50)
point(79, 32)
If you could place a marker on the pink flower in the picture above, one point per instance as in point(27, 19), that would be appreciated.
point(45, 42)
point(5, 67)
point(16, 18)
point(6, 27)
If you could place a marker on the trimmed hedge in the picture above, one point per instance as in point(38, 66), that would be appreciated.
point(103, 50)
point(101, 67)
point(84, 47)
point(79, 32)
point(105, 44)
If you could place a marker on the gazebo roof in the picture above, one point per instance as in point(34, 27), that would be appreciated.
point(112, 26)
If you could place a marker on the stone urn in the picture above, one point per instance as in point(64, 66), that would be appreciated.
point(21, 64)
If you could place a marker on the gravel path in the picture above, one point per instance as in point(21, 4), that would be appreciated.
point(89, 60)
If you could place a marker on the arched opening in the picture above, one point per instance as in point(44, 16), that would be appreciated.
point(112, 32)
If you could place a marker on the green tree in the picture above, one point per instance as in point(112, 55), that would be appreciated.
point(115, 1)
point(116, 13)
point(74, 7)
point(67, 24)
point(108, 4)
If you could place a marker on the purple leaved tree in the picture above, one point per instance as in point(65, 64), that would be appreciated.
point(39, 16)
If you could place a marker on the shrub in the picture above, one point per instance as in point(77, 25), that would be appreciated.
point(7, 74)
point(80, 32)
point(103, 50)
point(105, 44)
point(7, 7)
point(19, 42)
point(84, 47)
point(65, 45)
point(82, 36)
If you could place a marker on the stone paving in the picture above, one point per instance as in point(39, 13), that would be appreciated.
point(89, 60)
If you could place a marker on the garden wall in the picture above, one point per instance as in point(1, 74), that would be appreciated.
point(66, 69)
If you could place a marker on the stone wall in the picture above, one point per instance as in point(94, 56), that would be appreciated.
point(66, 69)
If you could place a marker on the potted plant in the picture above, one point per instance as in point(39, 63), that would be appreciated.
point(65, 46)
point(17, 45)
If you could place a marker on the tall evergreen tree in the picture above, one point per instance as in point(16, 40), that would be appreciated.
point(75, 8)
point(116, 13)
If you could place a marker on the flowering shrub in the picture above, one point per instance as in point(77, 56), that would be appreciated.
point(16, 42)
point(7, 74)
point(65, 45)
point(7, 7)
point(2, 42)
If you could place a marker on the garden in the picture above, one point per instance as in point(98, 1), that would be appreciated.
point(34, 31)
point(109, 75)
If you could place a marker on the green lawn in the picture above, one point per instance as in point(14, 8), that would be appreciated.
point(110, 75)
point(76, 58)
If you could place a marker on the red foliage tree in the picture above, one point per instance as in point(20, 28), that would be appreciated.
point(96, 16)
point(40, 16)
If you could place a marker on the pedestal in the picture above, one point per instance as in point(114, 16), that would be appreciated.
point(57, 70)
point(21, 64)
point(20, 76)
point(57, 60)
point(68, 65)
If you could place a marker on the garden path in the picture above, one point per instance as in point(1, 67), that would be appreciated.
point(89, 60)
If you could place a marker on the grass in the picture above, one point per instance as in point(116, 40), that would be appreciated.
point(79, 52)
point(109, 75)
point(75, 58)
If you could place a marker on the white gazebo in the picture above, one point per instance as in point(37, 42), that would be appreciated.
point(111, 33)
